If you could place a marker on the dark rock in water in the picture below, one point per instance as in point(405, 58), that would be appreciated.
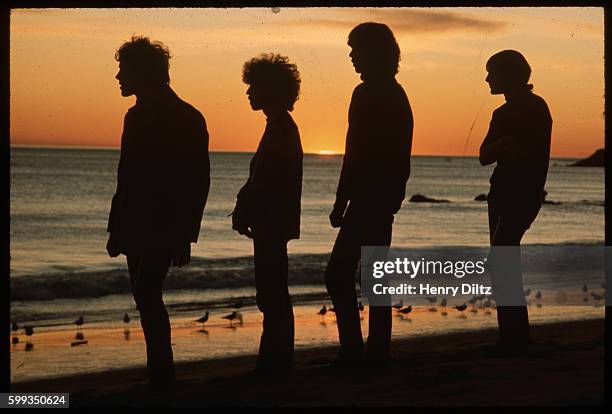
point(595, 160)
point(420, 198)
point(593, 203)
point(481, 197)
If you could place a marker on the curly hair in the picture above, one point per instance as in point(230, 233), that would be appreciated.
point(150, 59)
point(275, 73)
point(379, 44)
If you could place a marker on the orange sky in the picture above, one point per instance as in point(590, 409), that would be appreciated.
point(63, 90)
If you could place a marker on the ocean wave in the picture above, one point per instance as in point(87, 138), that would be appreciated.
point(304, 269)
point(199, 274)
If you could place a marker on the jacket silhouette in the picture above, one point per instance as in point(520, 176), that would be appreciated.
point(270, 199)
point(163, 176)
point(519, 180)
point(376, 163)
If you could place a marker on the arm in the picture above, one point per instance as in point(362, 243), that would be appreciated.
point(345, 182)
point(192, 183)
point(492, 146)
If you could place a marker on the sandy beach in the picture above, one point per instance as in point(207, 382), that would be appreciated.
point(564, 367)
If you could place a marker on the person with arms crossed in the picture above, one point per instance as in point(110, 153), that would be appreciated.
point(518, 141)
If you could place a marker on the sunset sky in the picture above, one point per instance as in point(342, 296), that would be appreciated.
point(64, 92)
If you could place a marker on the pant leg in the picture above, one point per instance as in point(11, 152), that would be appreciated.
point(378, 233)
point(507, 229)
point(340, 283)
point(148, 271)
point(273, 300)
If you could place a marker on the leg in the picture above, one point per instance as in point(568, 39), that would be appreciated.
point(340, 283)
point(378, 233)
point(147, 274)
point(507, 230)
point(273, 300)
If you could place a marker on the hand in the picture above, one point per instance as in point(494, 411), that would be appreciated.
point(181, 254)
point(245, 231)
point(336, 216)
point(111, 247)
point(240, 225)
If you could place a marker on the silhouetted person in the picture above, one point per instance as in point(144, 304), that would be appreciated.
point(518, 140)
point(162, 186)
point(372, 185)
point(268, 205)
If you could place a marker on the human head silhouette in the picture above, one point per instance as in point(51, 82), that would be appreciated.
point(274, 83)
point(508, 72)
point(374, 50)
point(143, 66)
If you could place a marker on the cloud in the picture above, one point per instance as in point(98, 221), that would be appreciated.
point(407, 21)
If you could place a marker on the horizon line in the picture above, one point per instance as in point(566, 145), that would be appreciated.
point(92, 147)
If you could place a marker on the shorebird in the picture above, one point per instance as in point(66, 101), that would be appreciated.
point(231, 317)
point(29, 331)
point(238, 305)
point(15, 340)
point(406, 310)
point(126, 320)
point(399, 305)
point(461, 308)
point(322, 311)
point(538, 295)
point(443, 302)
point(585, 288)
point(79, 322)
point(203, 319)
point(14, 326)
point(597, 297)
point(527, 292)
point(360, 307)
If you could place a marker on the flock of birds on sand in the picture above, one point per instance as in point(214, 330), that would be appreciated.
point(474, 304)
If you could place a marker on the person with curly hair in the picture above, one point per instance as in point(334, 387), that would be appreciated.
point(163, 180)
point(268, 205)
point(372, 186)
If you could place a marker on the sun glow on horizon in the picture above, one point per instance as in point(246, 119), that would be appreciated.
point(326, 152)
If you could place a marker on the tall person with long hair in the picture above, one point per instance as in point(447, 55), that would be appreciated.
point(372, 186)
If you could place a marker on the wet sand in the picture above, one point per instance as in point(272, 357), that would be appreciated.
point(564, 367)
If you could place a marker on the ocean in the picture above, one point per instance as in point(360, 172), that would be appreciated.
point(60, 200)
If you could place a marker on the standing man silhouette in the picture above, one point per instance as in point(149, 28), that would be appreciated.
point(518, 140)
point(372, 186)
point(162, 186)
point(268, 205)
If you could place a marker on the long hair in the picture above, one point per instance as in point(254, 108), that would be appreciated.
point(380, 48)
